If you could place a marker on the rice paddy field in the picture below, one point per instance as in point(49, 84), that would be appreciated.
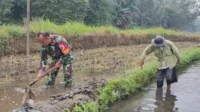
point(92, 61)
point(100, 53)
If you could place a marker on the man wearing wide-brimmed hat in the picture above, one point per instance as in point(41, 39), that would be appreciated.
point(168, 56)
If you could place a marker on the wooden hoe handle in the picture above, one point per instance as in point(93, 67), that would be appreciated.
point(47, 72)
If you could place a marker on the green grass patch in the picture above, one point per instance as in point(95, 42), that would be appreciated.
point(14, 31)
point(69, 28)
point(3, 33)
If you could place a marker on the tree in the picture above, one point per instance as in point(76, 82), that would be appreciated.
point(145, 12)
point(180, 13)
point(18, 11)
point(173, 14)
point(124, 12)
point(99, 12)
point(5, 10)
point(60, 11)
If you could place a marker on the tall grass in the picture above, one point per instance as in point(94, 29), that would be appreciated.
point(76, 28)
point(14, 30)
point(69, 28)
point(3, 33)
point(121, 88)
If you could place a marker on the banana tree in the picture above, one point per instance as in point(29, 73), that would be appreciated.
point(124, 13)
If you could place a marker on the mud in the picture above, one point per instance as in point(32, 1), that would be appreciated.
point(76, 96)
point(67, 100)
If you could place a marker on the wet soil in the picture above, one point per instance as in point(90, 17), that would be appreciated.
point(67, 100)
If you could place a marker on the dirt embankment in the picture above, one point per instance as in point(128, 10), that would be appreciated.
point(17, 45)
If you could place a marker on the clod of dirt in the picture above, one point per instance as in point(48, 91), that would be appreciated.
point(14, 74)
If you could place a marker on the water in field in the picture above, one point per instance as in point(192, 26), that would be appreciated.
point(183, 97)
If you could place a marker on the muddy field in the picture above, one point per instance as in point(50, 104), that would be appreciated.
point(92, 69)
point(86, 61)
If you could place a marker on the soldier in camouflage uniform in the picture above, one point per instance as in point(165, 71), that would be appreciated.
point(61, 53)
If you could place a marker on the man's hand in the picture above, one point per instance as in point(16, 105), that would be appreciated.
point(40, 74)
point(58, 64)
point(179, 61)
point(141, 63)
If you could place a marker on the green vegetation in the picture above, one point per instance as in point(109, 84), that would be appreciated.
point(5, 5)
point(124, 14)
point(99, 13)
point(121, 88)
point(90, 107)
point(77, 28)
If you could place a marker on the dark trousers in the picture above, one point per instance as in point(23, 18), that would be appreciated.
point(170, 74)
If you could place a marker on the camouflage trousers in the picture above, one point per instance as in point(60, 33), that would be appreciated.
point(67, 71)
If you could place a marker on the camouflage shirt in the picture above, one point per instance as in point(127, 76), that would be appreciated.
point(58, 49)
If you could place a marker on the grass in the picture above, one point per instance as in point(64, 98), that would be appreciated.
point(76, 28)
point(14, 31)
point(3, 33)
point(90, 107)
point(120, 88)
